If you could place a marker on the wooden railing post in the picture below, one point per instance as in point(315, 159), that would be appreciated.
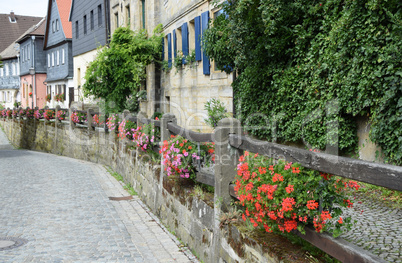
point(55, 114)
point(165, 135)
point(72, 124)
point(226, 159)
point(89, 119)
point(140, 116)
point(166, 118)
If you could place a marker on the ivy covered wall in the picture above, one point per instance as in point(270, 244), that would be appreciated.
point(307, 69)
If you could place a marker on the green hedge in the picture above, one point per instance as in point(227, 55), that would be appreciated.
point(303, 65)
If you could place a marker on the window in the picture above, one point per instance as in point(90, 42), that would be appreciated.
point(48, 60)
point(52, 59)
point(6, 69)
point(22, 54)
point(63, 56)
point(58, 58)
point(13, 69)
point(49, 90)
point(28, 51)
point(18, 69)
point(53, 27)
point(128, 15)
point(85, 25)
point(1, 72)
point(92, 20)
point(116, 20)
point(76, 30)
point(184, 41)
point(57, 25)
point(99, 15)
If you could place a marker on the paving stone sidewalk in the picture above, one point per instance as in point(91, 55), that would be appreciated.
point(61, 206)
point(378, 228)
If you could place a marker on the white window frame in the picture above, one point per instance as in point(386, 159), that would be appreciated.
point(29, 47)
point(63, 54)
point(52, 59)
point(58, 57)
point(48, 60)
point(1, 72)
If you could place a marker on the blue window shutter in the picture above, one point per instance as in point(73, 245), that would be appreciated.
point(169, 37)
point(197, 29)
point(184, 40)
point(174, 43)
point(205, 59)
point(163, 49)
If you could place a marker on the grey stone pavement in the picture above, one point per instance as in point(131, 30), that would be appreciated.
point(378, 228)
point(61, 207)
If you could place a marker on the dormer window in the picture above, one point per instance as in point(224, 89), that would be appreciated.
point(53, 27)
point(57, 25)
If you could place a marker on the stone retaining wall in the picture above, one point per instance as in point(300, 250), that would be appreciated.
point(192, 220)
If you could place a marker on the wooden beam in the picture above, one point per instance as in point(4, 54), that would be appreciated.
point(385, 175)
point(190, 135)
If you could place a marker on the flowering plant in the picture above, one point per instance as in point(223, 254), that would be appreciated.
point(283, 196)
point(4, 113)
point(126, 129)
point(61, 115)
point(15, 113)
point(98, 120)
point(78, 117)
point(38, 114)
point(178, 155)
point(22, 112)
point(9, 114)
point(112, 122)
point(49, 114)
point(48, 97)
point(30, 113)
point(30, 94)
point(59, 97)
point(146, 137)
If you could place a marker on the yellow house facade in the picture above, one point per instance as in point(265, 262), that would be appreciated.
point(181, 87)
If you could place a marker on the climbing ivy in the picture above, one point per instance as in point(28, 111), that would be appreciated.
point(119, 70)
point(306, 66)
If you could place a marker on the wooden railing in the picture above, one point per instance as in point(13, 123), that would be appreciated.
point(228, 135)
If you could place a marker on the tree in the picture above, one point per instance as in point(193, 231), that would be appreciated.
point(118, 70)
point(294, 58)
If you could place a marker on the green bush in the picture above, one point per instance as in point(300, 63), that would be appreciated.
point(296, 58)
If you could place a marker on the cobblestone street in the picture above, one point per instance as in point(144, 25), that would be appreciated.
point(378, 228)
point(61, 207)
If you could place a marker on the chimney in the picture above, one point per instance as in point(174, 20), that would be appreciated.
point(12, 17)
